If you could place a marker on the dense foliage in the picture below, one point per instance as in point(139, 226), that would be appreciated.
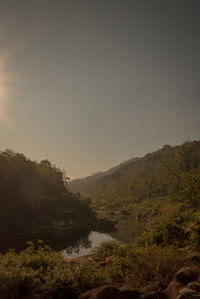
point(37, 193)
point(156, 198)
point(43, 273)
point(144, 191)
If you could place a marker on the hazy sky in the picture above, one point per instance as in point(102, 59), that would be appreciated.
point(91, 83)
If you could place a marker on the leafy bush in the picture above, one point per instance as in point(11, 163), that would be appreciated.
point(165, 234)
point(32, 270)
point(152, 266)
point(42, 271)
point(106, 249)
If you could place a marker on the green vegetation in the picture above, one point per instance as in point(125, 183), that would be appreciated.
point(33, 193)
point(143, 192)
point(131, 265)
point(155, 201)
point(46, 273)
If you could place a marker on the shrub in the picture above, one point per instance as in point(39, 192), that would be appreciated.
point(163, 235)
point(46, 272)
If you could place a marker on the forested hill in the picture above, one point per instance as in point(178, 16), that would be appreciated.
point(155, 175)
point(33, 193)
point(157, 185)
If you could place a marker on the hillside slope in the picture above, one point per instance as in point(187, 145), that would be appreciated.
point(35, 194)
point(143, 191)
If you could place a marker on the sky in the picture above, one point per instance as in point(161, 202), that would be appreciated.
point(89, 84)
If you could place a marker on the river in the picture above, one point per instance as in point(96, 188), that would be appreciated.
point(73, 243)
point(94, 238)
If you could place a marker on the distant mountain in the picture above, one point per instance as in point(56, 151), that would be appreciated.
point(143, 191)
point(79, 185)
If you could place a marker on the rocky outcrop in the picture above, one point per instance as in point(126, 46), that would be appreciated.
point(194, 285)
point(173, 289)
point(186, 275)
point(154, 295)
point(184, 284)
point(111, 292)
point(194, 258)
point(187, 292)
point(129, 294)
point(102, 292)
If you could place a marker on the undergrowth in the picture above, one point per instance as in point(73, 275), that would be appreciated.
point(46, 273)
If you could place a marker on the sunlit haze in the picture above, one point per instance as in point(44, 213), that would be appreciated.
point(89, 84)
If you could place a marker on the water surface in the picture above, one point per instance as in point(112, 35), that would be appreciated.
point(94, 240)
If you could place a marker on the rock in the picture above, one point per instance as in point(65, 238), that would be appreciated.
point(173, 289)
point(128, 294)
point(63, 293)
point(194, 258)
point(187, 292)
point(194, 285)
point(102, 292)
point(154, 295)
point(35, 296)
point(111, 292)
point(186, 275)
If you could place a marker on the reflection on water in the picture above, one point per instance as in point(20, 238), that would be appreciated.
point(73, 243)
point(85, 246)
point(56, 239)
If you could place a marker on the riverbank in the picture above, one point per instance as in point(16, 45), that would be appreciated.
point(58, 236)
point(43, 273)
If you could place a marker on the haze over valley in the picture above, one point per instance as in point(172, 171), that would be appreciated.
point(99, 149)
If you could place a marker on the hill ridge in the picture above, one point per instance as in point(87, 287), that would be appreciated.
point(145, 190)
